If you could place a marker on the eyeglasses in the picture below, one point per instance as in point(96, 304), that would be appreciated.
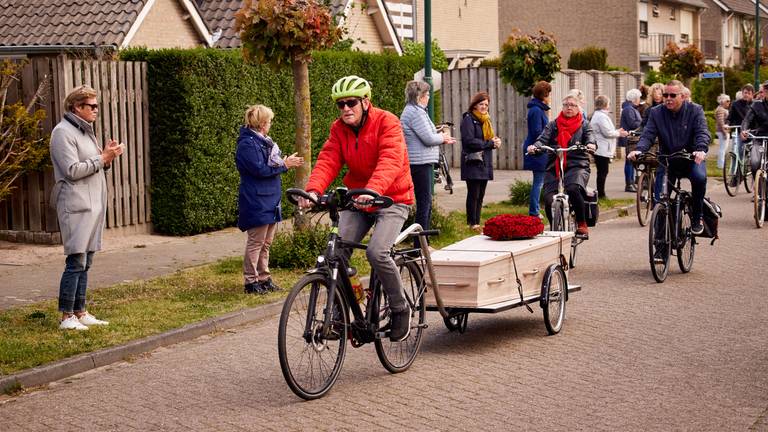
point(570, 105)
point(350, 103)
point(93, 106)
point(669, 95)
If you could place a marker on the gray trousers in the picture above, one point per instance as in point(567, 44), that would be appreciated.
point(354, 225)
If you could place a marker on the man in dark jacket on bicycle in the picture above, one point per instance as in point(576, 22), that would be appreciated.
point(756, 119)
point(679, 126)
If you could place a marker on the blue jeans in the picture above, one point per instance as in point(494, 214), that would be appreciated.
point(538, 183)
point(74, 281)
point(696, 173)
point(423, 176)
point(629, 172)
point(722, 139)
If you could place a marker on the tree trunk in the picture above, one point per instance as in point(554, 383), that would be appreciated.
point(303, 131)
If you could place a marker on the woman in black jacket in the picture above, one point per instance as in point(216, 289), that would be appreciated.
point(477, 143)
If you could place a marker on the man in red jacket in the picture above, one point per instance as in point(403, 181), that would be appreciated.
point(370, 142)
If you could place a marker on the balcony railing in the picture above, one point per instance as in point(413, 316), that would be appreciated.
point(653, 44)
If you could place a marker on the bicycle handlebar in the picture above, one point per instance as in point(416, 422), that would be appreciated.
point(755, 137)
point(575, 147)
point(346, 198)
point(681, 154)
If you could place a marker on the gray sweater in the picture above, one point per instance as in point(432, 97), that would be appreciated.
point(421, 137)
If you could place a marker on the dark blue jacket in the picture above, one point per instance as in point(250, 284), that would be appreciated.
point(472, 141)
point(630, 120)
point(260, 184)
point(685, 129)
point(537, 119)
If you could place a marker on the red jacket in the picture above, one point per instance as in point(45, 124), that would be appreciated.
point(377, 158)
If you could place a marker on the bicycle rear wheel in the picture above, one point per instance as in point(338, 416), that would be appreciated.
point(731, 174)
point(310, 362)
point(686, 242)
point(659, 239)
point(644, 197)
point(574, 241)
point(747, 178)
point(397, 357)
point(553, 295)
point(558, 219)
point(760, 197)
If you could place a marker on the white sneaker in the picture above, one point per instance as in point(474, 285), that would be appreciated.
point(72, 323)
point(90, 320)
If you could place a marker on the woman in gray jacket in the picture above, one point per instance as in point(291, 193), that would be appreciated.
point(422, 140)
point(80, 198)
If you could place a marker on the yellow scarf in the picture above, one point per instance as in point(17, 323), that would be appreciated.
point(487, 127)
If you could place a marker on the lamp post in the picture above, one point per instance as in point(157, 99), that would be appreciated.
point(428, 55)
point(757, 45)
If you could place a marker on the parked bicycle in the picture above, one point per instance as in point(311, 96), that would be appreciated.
point(315, 322)
point(443, 171)
point(761, 179)
point(670, 223)
point(563, 217)
point(645, 171)
point(736, 170)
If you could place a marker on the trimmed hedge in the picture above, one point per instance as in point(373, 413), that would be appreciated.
point(197, 101)
point(588, 58)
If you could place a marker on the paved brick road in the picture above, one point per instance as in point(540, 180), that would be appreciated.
point(689, 354)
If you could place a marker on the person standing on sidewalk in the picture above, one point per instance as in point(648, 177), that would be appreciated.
point(537, 119)
point(80, 198)
point(605, 134)
point(260, 165)
point(631, 118)
point(422, 140)
point(478, 140)
point(721, 113)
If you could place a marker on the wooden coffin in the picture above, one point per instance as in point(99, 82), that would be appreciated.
point(478, 271)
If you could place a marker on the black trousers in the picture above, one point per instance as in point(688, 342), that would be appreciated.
point(475, 195)
point(575, 200)
point(602, 172)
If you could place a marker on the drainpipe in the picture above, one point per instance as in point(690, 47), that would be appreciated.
point(428, 55)
point(757, 45)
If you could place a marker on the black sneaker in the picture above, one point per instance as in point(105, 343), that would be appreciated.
point(254, 288)
point(270, 286)
point(400, 325)
point(697, 227)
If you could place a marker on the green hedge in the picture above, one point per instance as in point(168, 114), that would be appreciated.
point(588, 58)
point(197, 101)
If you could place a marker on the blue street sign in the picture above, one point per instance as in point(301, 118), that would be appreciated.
point(712, 75)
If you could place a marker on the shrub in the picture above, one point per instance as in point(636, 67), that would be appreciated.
point(527, 59)
point(298, 249)
point(439, 220)
point(520, 192)
point(705, 91)
point(588, 58)
point(198, 98)
point(416, 49)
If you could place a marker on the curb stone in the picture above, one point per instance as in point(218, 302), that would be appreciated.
point(61, 369)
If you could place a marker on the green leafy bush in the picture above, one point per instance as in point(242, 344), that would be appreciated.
point(439, 220)
point(527, 59)
point(197, 100)
point(588, 58)
point(520, 192)
point(298, 249)
point(416, 49)
point(705, 91)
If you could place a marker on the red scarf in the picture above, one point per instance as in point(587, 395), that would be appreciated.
point(566, 127)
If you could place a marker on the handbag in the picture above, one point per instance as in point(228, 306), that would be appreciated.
point(476, 157)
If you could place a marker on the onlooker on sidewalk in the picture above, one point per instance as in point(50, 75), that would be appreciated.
point(260, 165)
point(537, 119)
point(477, 143)
point(80, 198)
point(721, 113)
point(422, 140)
point(605, 134)
point(630, 120)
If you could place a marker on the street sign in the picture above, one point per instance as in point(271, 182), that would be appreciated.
point(437, 78)
point(712, 75)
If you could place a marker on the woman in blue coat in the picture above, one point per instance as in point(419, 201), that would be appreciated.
point(537, 119)
point(260, 165)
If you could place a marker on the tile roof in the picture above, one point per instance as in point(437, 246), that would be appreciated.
point(746, 7)
point(66, 22)
point(695, 3)
point(220, 14)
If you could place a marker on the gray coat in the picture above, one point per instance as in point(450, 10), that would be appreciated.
point(420, 135)
point(80, 192)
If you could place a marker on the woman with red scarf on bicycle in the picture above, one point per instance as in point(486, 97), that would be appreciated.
point(568, 129)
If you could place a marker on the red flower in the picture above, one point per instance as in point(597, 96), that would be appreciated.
point(510, 227)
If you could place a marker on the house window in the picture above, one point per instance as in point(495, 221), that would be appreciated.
point(684, 37)
point(644, 29)
point(736, 33)
point(672, 13)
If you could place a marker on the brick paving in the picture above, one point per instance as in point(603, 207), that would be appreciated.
point(634, 355)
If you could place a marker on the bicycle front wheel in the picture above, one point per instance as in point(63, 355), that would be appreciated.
point(760, 196)
point(397, 357)
point(310, 361)
point(746, 176)
point(686, 243)
point(731, 174)
point(659, 239)
point(644, 198)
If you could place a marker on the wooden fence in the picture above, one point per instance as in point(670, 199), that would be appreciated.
point(508, 109)
point(123, 116)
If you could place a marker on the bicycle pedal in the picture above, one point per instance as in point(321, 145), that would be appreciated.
point(422, 326)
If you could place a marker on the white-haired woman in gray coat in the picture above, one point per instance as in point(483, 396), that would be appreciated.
point(422, 140)
point(80, 198)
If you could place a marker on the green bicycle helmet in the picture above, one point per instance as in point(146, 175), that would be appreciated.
point(351, 86)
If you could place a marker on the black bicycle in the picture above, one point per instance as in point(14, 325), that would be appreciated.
point(670, 223)
point(443, 171)
point(736, 168)
point(315, 322)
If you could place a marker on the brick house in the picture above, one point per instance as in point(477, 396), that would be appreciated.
point(368, 24)
point(725, 23)
point(98, 27)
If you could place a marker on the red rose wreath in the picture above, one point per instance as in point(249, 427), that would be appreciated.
point(511, 227)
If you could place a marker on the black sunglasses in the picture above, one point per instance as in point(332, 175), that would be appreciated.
point(669, 95)
point(93, 106)
point(350, 103)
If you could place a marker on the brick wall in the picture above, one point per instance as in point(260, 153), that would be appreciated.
point(594, 22)
point(165, 27)
point(465, 24)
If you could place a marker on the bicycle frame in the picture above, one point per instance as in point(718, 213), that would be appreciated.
point(673, 204)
